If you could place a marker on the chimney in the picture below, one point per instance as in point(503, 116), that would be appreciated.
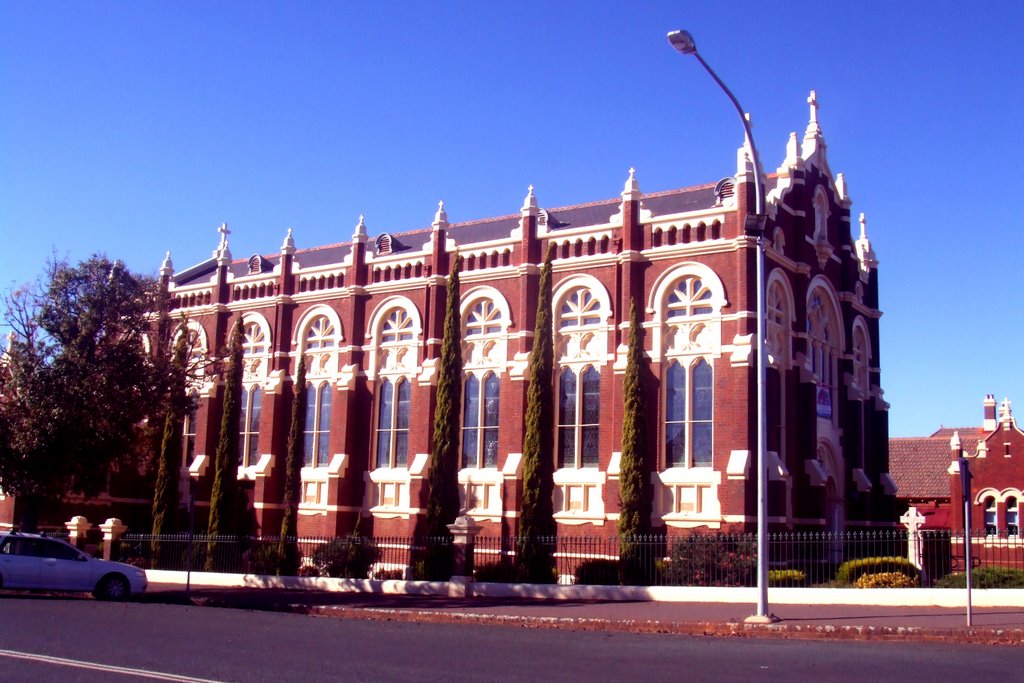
point(989, 425)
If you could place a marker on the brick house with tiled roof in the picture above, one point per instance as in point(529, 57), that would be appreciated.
point(367, 314)
point(919, 467)
point(927, 475)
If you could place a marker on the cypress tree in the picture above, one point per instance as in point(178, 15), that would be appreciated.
point(223, 496)
point(165, 492)
point(443, 494)
point(287, 552)
point(634, 481)
point(534, 551)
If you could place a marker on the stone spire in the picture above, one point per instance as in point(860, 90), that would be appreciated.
point(529, 204)
point(288, 246)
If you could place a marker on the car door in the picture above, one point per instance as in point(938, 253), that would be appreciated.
point(63, 567)
point(19, 562)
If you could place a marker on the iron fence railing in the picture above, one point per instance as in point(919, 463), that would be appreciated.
point(688, 559)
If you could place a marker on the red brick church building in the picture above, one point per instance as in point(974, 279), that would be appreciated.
point(367, 314)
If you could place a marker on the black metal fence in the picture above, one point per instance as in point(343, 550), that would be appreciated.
point(689, 559)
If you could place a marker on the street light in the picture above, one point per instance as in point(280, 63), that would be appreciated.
point(683, 42)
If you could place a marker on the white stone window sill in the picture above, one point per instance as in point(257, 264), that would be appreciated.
point(690, 475)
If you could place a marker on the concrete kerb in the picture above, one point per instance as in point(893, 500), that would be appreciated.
point(881, 597)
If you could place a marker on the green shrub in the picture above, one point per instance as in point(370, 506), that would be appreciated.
point(390, 575)
point(711, 560)
point(348, 557)
point(495, 572)
point(985, 577)
point(786, 577)
point(885, 580)
point(851, 570)
point(597, 573)
point(263, 558)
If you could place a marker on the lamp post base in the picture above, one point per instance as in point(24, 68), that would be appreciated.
point(758, 619)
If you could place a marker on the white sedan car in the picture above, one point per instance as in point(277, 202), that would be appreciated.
point(32, 562)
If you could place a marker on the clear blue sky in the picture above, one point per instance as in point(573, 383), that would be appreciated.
point(131, 128)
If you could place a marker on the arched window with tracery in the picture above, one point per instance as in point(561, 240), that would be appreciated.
point(823, 346)
point(397, 327)
point(485, 318)
point(580, 308)
point(320, 334)
point(317, 430)
point(480, 418)
point(188, 451)
point(579, 417)
point(690, 297)
point(778, 314)
point(393, 401)
point(249, 427)
point(860, 360)
point(689, 411)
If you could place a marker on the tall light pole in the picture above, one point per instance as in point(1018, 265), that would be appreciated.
point(683, 42)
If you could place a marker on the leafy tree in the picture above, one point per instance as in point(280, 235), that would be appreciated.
point(534, 552)
point(288, 555)
point(224, 494)
point(165, 491)
point(634, 481)
point(76, 382)
point(443, 493)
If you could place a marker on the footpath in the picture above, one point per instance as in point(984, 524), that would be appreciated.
point(991, 625)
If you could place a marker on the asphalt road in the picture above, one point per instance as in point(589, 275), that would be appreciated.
point(86, 640)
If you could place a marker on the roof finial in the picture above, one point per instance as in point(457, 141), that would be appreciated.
point(954, 443)
point(632, 188)
point(865, 254)
point(813, 129)
point(288, 246)
point(529, 204)
point(441, 217)
point(167, 267)
point(1004, 410)
point(360, 231)
point(222, 252)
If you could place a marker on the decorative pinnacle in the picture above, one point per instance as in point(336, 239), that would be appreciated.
point(360, 231)
point(530, 203)
point(1004, 410)
point(631, 192)
point(167, 267)
point(440, 218)
point(863, 227)
point(954, 443)
point(288, 246)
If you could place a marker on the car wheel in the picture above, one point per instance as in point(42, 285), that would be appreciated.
point(112, 587)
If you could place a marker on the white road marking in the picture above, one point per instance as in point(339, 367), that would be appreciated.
point(106, 668)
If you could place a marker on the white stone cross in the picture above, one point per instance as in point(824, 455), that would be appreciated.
point(224, 232)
